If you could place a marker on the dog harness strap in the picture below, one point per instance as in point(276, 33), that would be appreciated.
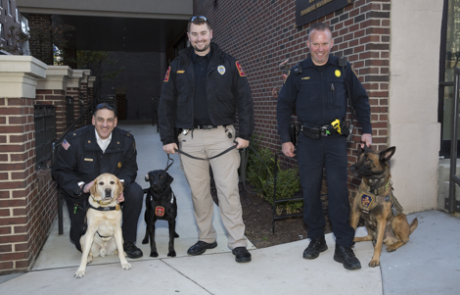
point(103, 208)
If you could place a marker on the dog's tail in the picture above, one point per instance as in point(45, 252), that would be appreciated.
point(413, 226)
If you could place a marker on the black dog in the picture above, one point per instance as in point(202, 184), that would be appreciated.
point(160, 203)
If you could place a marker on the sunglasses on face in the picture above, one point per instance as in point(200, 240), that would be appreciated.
point(104, 106)
point(199, 17)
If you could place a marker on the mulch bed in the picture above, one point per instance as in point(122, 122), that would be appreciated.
point(258, 218)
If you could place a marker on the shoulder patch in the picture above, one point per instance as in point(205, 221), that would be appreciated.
point(240, 69)
point(166, 79)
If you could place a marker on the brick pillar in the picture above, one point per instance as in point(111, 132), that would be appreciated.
point(73, 89)
point(52, 90)
point(91, 80)
point(41, 45)
point(26, 209)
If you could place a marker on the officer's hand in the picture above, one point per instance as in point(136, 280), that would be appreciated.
point(121, 198)
point(366, 138)
point(87, 187)
point(242, 143)
point(288, 149)
point(170, 148)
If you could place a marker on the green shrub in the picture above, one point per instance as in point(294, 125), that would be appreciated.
point(288, 183)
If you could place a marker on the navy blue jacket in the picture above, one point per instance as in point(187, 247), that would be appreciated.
point(84, 160)
point(318, 98)
point(227, 90)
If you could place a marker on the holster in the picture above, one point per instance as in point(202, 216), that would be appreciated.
point(311, 132)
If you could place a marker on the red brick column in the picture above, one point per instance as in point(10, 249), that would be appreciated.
point(52, 90)
point(27, 201)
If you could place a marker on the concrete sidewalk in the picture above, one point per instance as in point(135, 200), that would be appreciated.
point(428, 264)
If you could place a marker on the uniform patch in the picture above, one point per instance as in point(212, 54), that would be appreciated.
point(65, 144)
point(167, 75)
point(221, 70)
point(338, 73)
point(366, 201)
point(180, 71)
point(119, 165)
point(159, 211)
point(88, 160)
point(305, 78)
point(240, 69)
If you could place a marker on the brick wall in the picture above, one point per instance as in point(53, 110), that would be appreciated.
point(40, 37)
point(262, 33)
point(27, 198)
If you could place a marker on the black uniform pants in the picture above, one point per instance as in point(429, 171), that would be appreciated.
point(312, 155)
point(131, 208)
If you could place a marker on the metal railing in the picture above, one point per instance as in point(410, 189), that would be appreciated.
point(452, 204)
point(45, 134)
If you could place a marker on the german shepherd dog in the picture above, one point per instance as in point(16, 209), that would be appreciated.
point(375, 202)
point(160, 203)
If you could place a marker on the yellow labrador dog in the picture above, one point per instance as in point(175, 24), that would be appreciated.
point(103, 235)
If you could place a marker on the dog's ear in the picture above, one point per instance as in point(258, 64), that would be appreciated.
point(387, 154)
point(93, 189)
point(119, 187)
point(147, 178)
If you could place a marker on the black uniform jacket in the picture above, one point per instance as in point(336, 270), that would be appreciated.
point(318, 98)
point(227, 90)
point(84, 161)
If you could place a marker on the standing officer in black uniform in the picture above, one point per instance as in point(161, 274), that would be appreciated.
point(203, 89)
point(316, 90)
point(87, 153)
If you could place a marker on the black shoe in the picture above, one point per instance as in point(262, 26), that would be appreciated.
point(314, 248)
point(131, 250)
point(346, 256)
point(241, 254)
point(200, 247)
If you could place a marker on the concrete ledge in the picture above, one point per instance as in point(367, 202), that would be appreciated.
point(19, 75)
point(56, 78)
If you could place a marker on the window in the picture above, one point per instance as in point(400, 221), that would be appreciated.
point(17, 15)
point(1, 5)
point(2, 32)
point(9, 7)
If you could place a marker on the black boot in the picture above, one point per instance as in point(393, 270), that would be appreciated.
point(346, 256)
point(314, 248)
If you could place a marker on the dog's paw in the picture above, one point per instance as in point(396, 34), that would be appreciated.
point(374, 263)
point(79, 273)
point(145, 241)
point(391, 248)
point(126, 266)
point(153, 254)
point(172, 254)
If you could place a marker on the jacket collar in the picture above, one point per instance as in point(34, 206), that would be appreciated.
point(91, 142)
point(186, 53)
point(333, 60)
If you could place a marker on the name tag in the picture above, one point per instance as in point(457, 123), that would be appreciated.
point(88, 160)
point(305, 78)
point(180, 72)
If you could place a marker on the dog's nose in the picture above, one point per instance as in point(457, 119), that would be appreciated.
point(108, 193)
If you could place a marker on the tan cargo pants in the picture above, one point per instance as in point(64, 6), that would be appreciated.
point(205, 144)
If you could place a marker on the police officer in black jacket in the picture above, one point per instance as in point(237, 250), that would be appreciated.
point(316, 89)
point(85, 154)
point(202, 91)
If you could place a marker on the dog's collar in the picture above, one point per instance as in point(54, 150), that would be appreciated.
point(377, 191)
point(103, 237)
point(100, 202)
point(112, 208)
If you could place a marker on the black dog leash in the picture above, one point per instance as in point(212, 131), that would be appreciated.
point(244, 163)
point(213, 157)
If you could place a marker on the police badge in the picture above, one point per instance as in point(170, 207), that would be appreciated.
point(221, 70)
